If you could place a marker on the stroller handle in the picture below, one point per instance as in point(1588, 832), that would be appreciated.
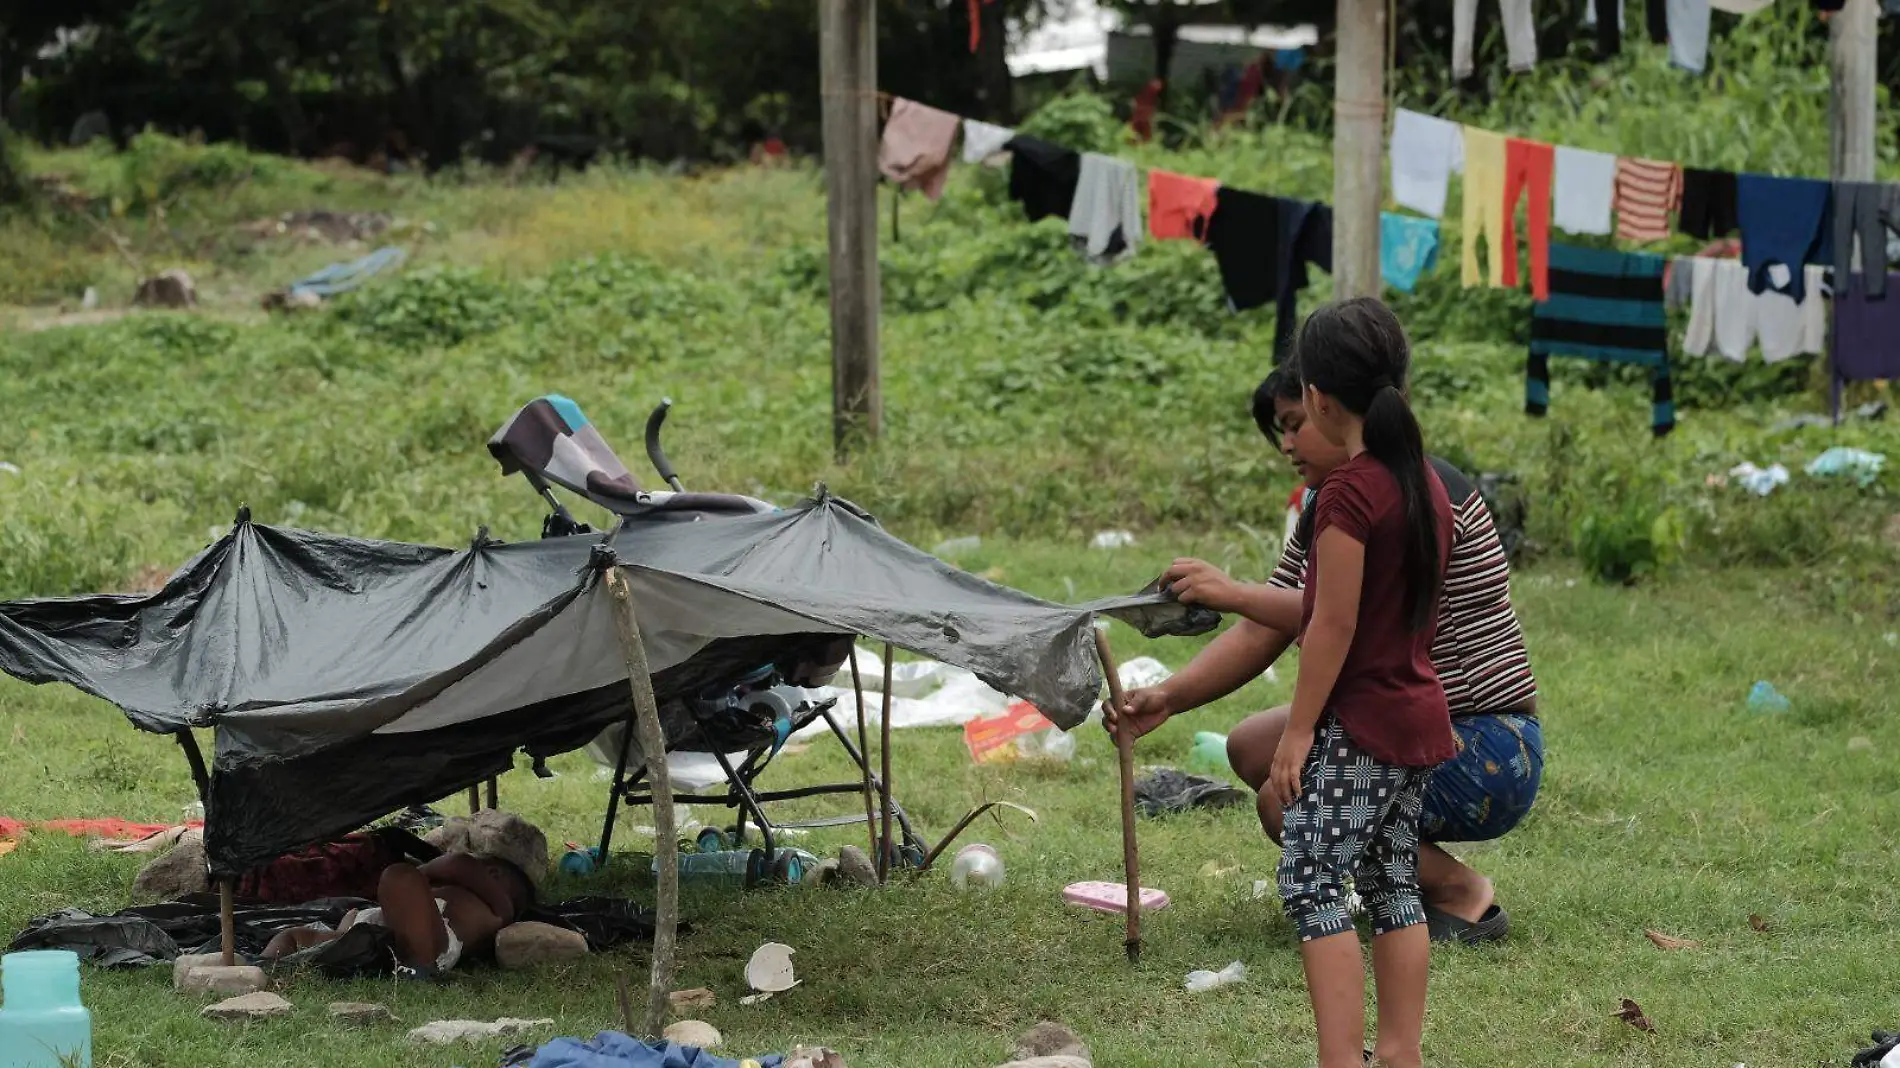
point(657, 454)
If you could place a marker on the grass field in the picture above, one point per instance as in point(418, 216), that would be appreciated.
point(1666, 806)
point(1033, 402)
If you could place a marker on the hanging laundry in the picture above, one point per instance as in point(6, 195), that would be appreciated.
point(1263, 246)
point(1520, 35)
point(1862, 209)
point(1042, 176)
point(1723, 309)
point(1864, 329)
point(983, 142)
point(1584, 190)
point(1607, 306)
point(1740, 7)
point(1484, 205)
point(1527, 167)
point(1708, 203)
point(1408, 246)
point(1656, 19)
point(1607, 17)
point(1105, 216)
point(1179, 206)
point(1679, 282)
point(1647, 190)
point(1781, 227)
point(915, 152)
point(1425, 151)
point(1688, 22)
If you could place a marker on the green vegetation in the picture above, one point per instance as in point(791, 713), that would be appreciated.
point(1031, 400)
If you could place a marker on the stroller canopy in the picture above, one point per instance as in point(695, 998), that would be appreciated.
point(346, 678)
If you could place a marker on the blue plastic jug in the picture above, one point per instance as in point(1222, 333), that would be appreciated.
point(42, 1023)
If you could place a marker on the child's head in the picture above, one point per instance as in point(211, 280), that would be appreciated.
point(1280, 412)
point(1353, 359)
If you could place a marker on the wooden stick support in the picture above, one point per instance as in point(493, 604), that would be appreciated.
point(227, 919)
point(884, 771)
point(665, 836)
point(474, 799)
point(1125, 756)
point(494, 794)
point(864, 753)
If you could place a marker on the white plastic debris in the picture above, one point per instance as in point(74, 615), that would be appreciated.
point(1112, 539)
point(1143, 671)
point(770, 969)
point(1757, 480)
point(444, 1032)
point(91, 298)
point(1201, 980)
point(8, 469)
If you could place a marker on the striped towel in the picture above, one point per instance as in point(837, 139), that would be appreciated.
point(1647, 191)
point(1608, 306)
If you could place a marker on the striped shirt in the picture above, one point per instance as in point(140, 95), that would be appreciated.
point(1647, 191)
point(1479, 651)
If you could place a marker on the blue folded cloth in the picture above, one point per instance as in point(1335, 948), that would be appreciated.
point(611, 1049)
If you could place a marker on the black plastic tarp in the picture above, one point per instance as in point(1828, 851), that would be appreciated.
point(346, 678)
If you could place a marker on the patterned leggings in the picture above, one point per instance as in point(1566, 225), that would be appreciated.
point(1355, 817)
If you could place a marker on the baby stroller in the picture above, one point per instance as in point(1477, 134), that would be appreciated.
point(742, 722)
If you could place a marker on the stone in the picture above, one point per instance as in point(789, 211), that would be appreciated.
point(855, 867)
point(529, 945)
point(812, 1057)
point(696, 1033)
point(179, 872)
point(172, 289)
point(825, 873)
point(443, 1032)
point(359, 1013)
point(261, 1005)
point(502, 835)
point(1048, 1039)
point(215, 978)
point(1058, 1061)
point(683, 1001)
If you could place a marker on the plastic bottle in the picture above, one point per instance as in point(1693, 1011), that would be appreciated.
point(42, 1022)
point(726, 867)
point(976, 865)
point(1209, 753)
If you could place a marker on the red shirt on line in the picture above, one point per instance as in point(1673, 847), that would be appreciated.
point(1388, 696)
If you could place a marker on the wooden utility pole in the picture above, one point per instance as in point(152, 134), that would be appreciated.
point(847, 31)
point(1358, 146)
point(1851, 37)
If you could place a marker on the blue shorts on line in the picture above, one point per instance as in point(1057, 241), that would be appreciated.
point(1486, 789)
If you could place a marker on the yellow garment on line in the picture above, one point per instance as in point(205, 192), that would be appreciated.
point(1484, 205)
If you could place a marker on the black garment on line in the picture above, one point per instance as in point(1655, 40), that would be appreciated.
point(1656, 17)
point(1708, 207)
point(1263, 245)
point(1042, 176)
point(1609, 28)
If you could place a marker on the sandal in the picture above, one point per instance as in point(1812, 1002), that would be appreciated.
point(1493, 926)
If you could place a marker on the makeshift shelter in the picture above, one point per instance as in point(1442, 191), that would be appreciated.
point(345, 678)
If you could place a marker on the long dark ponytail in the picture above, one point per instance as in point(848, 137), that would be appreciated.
point(1355, 352)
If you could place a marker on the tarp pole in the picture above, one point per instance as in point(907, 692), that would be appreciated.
point(474, 799)
point(864, 751)
point(494, 793)
point(666, 846)
point(884, 755)
point(227, 919)
point(1125, 754)
point(189, 743)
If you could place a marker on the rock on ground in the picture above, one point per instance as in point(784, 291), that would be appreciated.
point(1048, 1039)
point(172, 289)
point(179, 872)
point(204, 974)
point(359, 1013)
point(443, 1032)
point(529, 944)
point(261, 1005)
point(697, 1033)
point(855, 867)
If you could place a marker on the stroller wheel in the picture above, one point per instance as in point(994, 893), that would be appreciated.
point(757, 868)
point(903, 856)
point(788, 868)
point(712, 840)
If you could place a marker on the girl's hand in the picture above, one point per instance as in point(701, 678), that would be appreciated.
point(1289, 761)
point(1197, 582)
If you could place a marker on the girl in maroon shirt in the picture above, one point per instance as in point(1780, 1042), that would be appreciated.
point(1369, 719)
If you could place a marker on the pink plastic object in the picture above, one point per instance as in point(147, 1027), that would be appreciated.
point(1112, 897)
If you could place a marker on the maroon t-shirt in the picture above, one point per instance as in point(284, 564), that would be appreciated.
point(1388, 696)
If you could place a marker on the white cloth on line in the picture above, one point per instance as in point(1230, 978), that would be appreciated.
point(1688, 34)
point(1425, 151)
point(1739, 7)
point(1725, 311)
point(1105, 221)
point(982, 140)
point(1584, 190)
point(1520, 34)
